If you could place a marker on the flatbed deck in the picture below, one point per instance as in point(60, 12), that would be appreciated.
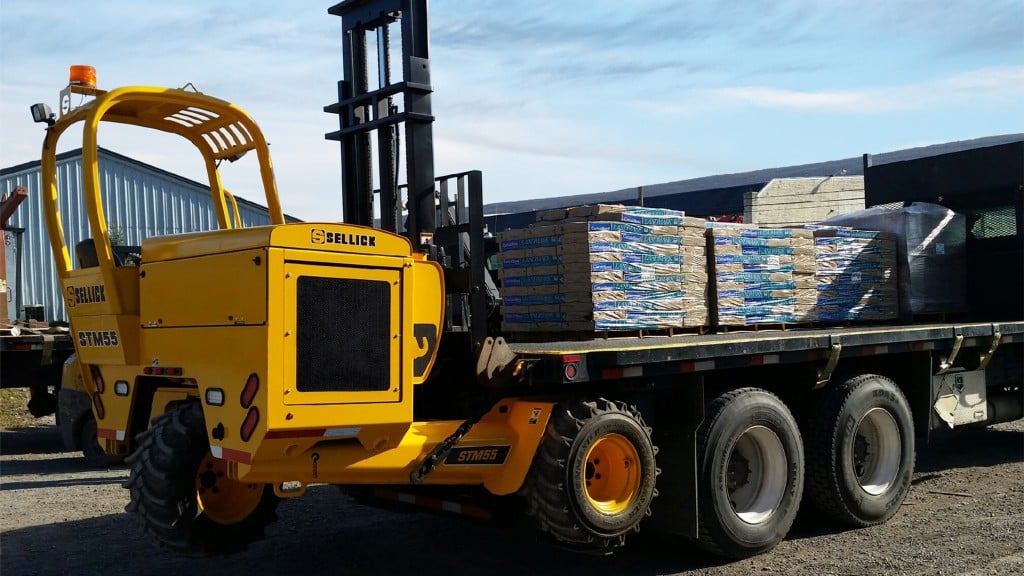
point(33, 357)
point(611, 358)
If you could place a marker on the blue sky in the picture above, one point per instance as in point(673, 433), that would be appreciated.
point(548, 98)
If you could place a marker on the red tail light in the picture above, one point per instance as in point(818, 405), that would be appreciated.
point(97, 379)
point(97, 404)
point(249, 425)
point(252, 385)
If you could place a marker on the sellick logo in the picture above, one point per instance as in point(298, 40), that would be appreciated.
point(321, 236)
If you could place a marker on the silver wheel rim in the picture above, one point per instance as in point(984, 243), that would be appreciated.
point(756, 475)
point(877, 451)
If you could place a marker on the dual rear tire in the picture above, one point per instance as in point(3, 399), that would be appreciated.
point(860, 451)
point(854, 462)
point(750, 465)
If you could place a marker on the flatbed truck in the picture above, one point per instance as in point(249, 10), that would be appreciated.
point(369, 357)
point(32, 358)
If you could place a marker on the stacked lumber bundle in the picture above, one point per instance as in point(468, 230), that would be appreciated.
point(761, 275)
point(856, 275)
point(604, 268)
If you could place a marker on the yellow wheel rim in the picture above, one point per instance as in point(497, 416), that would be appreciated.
point(612, 474)
point(221, 499)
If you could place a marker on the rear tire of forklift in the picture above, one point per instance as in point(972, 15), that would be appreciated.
point(750, 473)
point(592, 478)
point(91, 450)
point(182, 496)
point(860, 448)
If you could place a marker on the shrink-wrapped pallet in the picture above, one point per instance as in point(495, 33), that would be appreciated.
point(604, 268)
point(931, 260)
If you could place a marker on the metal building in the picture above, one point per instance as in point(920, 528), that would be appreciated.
point(725, 194)
point(139, 200)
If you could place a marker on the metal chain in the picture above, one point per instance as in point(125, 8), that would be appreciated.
point(438, 454)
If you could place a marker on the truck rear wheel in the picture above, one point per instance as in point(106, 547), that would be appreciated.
point(91, 450)
point(750, 470)
point(182, 494)
point(861, 451)
point(592, 479)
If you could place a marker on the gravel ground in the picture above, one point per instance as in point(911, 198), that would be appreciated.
point(964, 515)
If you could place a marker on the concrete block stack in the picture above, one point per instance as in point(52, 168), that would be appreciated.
point(856, 275)
point(604, 268)
point(761, 275)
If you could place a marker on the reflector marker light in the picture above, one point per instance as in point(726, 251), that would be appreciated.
point(162, 371)
point(697, 366)
point(222, 453)
point(272, 434)
point(107, 433)
point(627, 372)
point(341, 432)
point(761, 360)
point(611, 373)
point(313, 433)
point(433, 503)
point(237, 456)
point(252, 385)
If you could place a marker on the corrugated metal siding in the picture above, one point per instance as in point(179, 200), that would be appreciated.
point(138, 201)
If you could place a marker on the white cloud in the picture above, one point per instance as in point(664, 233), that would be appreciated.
point(978, 86)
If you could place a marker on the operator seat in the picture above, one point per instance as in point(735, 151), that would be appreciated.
point(85, 252)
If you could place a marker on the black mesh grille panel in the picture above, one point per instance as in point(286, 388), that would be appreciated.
point(994, 223)
point(343, 335)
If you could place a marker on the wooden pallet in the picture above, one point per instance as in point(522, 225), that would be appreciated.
point(577, 336)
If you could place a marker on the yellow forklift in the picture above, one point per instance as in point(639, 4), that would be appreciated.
point(240, 365)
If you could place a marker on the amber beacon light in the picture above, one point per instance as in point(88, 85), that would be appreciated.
point(83, 75)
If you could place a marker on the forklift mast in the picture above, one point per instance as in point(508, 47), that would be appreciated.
point(362, 110)
point(442, 215)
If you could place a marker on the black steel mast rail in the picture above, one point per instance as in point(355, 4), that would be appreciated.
point(373, 97)
point(661, 355)
point(371, 101)
point(373, 124)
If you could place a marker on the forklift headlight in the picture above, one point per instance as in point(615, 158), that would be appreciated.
point(42, 113)
point(121, 388)
point(214, 396)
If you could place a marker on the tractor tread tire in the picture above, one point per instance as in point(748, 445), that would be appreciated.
point(548, 488)
point(163, 497)
point(92, 453)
